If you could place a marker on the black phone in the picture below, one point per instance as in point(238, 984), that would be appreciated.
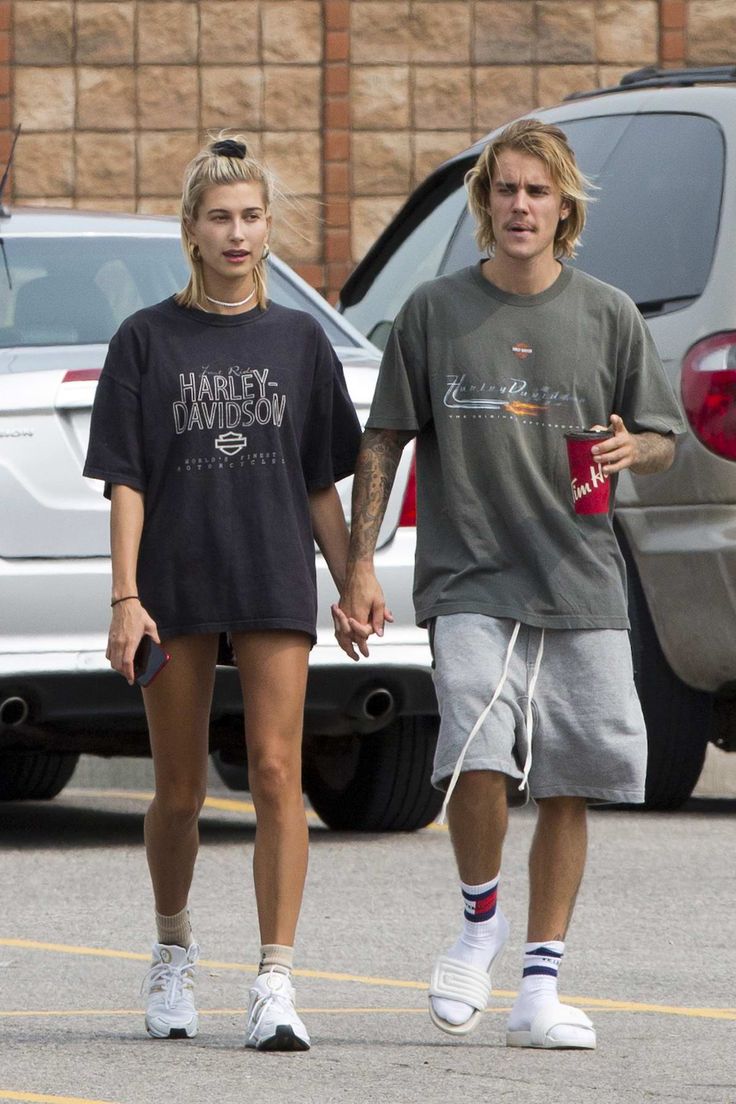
point(149, 659)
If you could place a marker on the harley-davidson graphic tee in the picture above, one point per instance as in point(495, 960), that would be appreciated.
point(226, 423)
point(490, 382)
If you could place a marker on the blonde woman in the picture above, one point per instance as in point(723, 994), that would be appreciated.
point(220, 426)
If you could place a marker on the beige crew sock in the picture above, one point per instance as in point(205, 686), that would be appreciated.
point(175, 929)
point(275, 957)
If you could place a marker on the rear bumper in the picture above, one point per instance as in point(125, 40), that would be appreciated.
point(76, 703)
point(53, 634)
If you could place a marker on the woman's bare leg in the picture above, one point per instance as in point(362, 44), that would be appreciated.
point(178, 708)
point(273, 675)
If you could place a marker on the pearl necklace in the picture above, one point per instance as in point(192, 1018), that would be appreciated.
point(222, 303)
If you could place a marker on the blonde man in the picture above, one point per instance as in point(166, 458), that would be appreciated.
point(525, 600)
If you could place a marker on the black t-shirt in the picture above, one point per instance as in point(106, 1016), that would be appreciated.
point(226, 423)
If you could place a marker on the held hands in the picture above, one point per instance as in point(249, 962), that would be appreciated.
point(129, 624)
point(620, 451)
point(361, 611)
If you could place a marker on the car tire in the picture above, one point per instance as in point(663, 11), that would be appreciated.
point(678, 718)
point(34, 775)
point(378, 782)
point(232, 769)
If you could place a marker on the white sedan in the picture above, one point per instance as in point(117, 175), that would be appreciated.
point(67, 280)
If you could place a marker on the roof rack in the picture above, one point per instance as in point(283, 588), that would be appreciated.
point(651, 77)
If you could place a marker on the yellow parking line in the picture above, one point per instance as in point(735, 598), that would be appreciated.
point(222, 804)
point(43, 1098)
point(131, 795)
point(598, 1004)
point(602, 1003)
point(65, 948)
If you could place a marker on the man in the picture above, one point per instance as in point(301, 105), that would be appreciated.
point(525, 599)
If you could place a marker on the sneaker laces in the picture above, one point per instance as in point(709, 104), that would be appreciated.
point(170, 978)
point(282, 998)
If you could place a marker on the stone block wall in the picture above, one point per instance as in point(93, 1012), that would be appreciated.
point(351, 102)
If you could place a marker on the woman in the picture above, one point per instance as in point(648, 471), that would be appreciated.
point(220, 426)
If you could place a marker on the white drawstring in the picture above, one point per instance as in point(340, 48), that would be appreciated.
point(486, 711)
point(478, 723)
point(530, 712)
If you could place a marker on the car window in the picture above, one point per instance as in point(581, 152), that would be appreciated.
point(415, 260)
point(76, 290)
point(282, 290)
point(652, 226)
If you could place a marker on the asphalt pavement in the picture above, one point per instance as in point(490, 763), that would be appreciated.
point(650, 959)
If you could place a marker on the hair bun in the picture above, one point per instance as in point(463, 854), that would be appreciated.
point(228, 147)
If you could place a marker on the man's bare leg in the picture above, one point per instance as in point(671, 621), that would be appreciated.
point(478, 819)
point(556, 865)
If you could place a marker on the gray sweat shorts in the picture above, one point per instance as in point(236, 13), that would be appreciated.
point(588, 733)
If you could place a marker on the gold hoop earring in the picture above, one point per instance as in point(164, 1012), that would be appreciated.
point(194, 251)
point(266, 251)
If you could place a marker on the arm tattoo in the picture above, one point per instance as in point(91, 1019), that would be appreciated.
point(378, 460)
point(656, 453)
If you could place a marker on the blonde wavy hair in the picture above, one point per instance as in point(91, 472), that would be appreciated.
point(224, 160)
point(550, 145)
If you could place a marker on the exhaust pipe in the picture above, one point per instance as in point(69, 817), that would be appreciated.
point(13, 711)
point(374, 706)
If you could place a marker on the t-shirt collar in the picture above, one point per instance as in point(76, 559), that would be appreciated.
point(545, 296)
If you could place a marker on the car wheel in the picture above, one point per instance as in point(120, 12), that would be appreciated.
point(678, 718)
point(232, 769)
point(378, 782)
point(34, 775)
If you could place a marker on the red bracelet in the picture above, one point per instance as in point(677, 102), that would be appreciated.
point(125, 599)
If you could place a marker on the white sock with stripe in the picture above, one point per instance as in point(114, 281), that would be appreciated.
point(484, 933)
point(539, 987)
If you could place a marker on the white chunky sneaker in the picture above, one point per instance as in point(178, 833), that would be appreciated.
point(169, 989)
point(273, 1023)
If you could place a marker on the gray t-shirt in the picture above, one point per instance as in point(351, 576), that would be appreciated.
point(490, 382)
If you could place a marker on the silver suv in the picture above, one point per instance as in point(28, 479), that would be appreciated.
point(661, 148)
point(67, 280)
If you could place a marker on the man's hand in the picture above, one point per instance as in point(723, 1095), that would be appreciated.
point(362, 607)
point(361, 611)
point(644, 453)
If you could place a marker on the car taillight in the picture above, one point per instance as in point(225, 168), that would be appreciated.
point(76, 375)
point(708, 389)
point(408, 516)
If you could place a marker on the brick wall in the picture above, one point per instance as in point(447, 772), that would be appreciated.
point(116, 95)
point(351, 103)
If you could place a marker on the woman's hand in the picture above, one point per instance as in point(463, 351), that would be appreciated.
point(130, 623)
point(361, 611)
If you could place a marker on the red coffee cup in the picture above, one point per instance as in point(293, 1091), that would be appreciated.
point(590, 486)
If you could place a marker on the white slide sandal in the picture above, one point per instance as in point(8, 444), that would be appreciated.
point(548, 1030)
point(458, 981)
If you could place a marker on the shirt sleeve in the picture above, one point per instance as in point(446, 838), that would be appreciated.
point(645, 399)
point(115, 452)
point(401, 399)
point(331, 436)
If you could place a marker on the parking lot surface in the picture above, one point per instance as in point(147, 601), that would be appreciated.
point(650, 959)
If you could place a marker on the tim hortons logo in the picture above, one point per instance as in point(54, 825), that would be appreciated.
point(521, 350)
point(580, 490)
